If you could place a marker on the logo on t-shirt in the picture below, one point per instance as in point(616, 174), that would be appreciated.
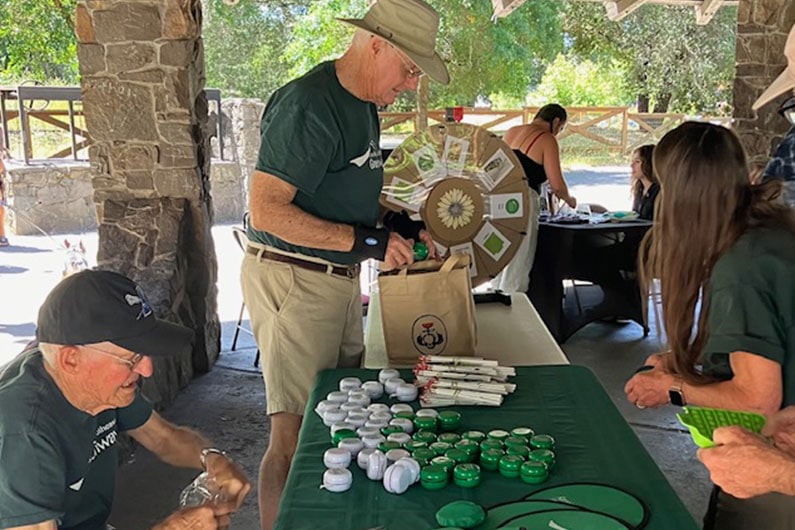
point(77, 485)
point(372, 155)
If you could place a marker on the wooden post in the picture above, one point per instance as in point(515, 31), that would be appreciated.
point(423, 91)
point(625, 130)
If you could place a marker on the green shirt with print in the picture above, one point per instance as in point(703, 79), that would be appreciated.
point(323, 140)
point(752, 305)
point(56, 462)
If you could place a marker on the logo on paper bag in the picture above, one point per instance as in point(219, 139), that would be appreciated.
point(429, 335)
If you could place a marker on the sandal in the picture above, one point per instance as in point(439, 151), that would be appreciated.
point(4, 242)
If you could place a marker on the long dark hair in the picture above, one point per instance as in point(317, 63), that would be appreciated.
point(645, 153)
point(706, 204)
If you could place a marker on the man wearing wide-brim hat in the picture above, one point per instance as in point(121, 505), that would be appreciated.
point(314, 206)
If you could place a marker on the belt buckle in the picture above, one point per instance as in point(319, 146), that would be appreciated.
point(352, 271)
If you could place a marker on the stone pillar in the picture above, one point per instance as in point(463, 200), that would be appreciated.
point(241, 123)
point(762, 28)
point(142, 80)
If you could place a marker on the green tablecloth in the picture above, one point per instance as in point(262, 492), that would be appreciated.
point(594, 444)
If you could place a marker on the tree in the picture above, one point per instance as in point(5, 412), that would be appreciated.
point(672, 63)
point(571, 81)
point(37, 40)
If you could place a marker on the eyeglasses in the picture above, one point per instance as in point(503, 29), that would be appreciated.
point(787, 110)
point(411, 71)
point(131, 363)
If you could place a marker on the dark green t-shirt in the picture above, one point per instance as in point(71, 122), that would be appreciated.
point(323, 140)
point(56, 462)
point(752, 305)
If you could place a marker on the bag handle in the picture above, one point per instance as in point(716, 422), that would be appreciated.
point(454, 261)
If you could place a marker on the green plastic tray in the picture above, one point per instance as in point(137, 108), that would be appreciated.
point(702, 421)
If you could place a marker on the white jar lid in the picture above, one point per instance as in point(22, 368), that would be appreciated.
point(406, 392)
point(387, 373)
point(352, 445)
point(367, 431)
point(341, 425)
point(360, 400)
point(363, 456)
point(337, 480)
point(350, 383)
point(324, 406)
point(399, 437)
point(401, 407)
point(397, 479)
point(376, 465)
point(376, 423)
point(336, 457)
point(427, 413)
point(357, 419)
point(350, 407)
point(380, 416)
point(404, 423)
point(332, 416)
point(412, 465)
point(391, 385)
point(393, 455)
point(377, 407)
point(374, 389)
point(337, 396)
point(373, 440)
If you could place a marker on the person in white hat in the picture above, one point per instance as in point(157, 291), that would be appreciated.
point(782, 163)
point(314, 212)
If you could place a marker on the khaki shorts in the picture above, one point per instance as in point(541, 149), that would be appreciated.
point(304, 322)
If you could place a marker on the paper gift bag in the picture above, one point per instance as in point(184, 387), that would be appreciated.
point(428, 309)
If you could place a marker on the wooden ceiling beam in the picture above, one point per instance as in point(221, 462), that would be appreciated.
point(618, 9)
point(707, 10)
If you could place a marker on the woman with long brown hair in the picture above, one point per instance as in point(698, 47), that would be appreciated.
point(724, 254)
point(644, 183)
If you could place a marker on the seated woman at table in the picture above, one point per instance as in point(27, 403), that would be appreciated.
point(731, 244)
point(536, 146)
point(643, 182)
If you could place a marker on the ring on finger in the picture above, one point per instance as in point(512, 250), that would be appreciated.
point(637, 404)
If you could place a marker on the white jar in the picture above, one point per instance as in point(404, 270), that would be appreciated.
point(393, 455)
point(360, 400)
point(387, 373)
point(357, 419)
point(376, 424)
point(399, 437)
point(341, 425)
point(401, 407)
point(337, 396)
point(351, 407)
point(352, 445)
point(363, 456)
point(372, 408)
point(350, 383)
point(380, 416)
point(406, 392)
point(324, 406)
point(336, 458)
point(373, 440)
point(376, 465)
point(397, 479)
point(332, 416)
point(412, 465)
point(391, 385)
point(404, 423)
point(374, 389)
point(337, 480)
point(427, 413)
point(361, 432)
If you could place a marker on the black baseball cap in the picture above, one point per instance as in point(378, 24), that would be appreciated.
point(96, 306)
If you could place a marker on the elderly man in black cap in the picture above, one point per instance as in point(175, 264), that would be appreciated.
point(315, 215)
point(64, 402)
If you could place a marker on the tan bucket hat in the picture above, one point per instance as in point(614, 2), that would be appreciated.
point(411, 26)
point(784, 82)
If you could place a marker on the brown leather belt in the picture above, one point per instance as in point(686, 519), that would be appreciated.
point(352, 271)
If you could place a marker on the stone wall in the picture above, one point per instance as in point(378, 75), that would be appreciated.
point(762, 28)
point(142, 81)
point(240, 126)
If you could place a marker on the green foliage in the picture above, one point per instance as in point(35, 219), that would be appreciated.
point(677, 64)
point(37, 40)
point(572, 82)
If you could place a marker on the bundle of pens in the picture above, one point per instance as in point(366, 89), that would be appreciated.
point(449, 381)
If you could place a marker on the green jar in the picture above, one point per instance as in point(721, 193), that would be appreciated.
point(499, 434)
point(426, 423)
point(523, 432)
point(533, 472)
point(490, 443)
point(424, 436)
point(413, 445)
point(520, 451)
point(388, 446)
point(391, 429)
point(542, 441)
point(433, 477)
point(405, 414)
point(470, 448)
point(449, 420)
point(423, 455)
point(440, 448)
point(466, 475)
point(447, 463)
point(475, 436)
point(490, 459)
point(513, 441)
point(458, 456)
point(449, 437)
point(509, 466)
point(341, 435)
point(543, 455)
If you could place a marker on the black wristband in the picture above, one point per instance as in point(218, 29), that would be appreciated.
point(401, 223)
point(370, 242)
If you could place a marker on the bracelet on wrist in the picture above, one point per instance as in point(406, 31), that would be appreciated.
point(209, 450)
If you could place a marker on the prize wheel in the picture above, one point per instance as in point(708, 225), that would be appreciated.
point(468, 187)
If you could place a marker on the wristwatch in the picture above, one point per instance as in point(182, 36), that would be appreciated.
point(675, 394)
point(209, 450)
